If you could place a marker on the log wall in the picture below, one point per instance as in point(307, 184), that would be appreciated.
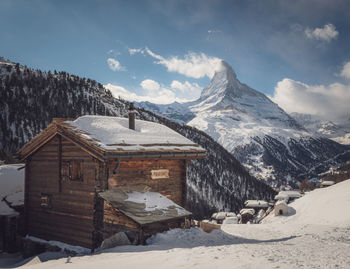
point(135, 172)
point(115, 221)
point(70, 216)
point(75, 214)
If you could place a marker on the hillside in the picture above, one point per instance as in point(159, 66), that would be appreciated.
point(30, 99)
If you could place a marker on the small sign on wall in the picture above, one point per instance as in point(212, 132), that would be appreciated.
point(160, 173)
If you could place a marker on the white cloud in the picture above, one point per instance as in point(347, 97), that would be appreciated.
point(134, 51)
point(330, 102)
point(214, 31)
point(115, 65)
point(150, 85)
point(345, 73)
point(192, 90)
point(194, 65)
point(121, 92)
point(327, 33)
point(113, 52)
point(153, 92)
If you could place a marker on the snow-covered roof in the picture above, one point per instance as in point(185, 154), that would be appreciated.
point(281, 203)
point(282, 195)
point(110, 137)
point(5, 210)
point(143, 205)
point(244, 211)
point(327, 183)
point(220, 215)
point(256, 203)
point(113, 133)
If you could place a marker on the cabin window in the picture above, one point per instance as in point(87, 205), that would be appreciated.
point(45, 200)
point(72, 170)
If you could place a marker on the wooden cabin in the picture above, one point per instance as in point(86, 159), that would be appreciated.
point(90, 178)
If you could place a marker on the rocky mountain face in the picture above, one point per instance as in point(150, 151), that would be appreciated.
point(30, 99)
point(271, 144)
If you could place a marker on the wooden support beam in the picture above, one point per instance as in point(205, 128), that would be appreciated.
point(59, 164)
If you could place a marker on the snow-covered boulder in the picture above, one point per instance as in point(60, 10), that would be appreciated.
point(220, 216)
point(231, 214)
point(118, 239)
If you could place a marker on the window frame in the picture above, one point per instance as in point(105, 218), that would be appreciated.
point(45, 200)
point(67, 172)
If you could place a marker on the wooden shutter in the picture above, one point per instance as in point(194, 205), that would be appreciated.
point(77, 170)
point(65, 170)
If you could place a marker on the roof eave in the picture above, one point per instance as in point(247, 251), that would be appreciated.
point(165, 220)
point(154, 154)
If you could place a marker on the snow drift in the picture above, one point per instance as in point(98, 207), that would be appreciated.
point(326, 206)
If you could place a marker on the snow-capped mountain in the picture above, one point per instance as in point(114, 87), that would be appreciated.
point(338, 130)
point(268, 141)
point(175, 111)
point(30, 99)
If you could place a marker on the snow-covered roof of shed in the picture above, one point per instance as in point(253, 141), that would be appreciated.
point(327, 183)
point(256, 203)
point(282, 195)
point(281, 203)
point(249, 211)
point(143, 205)
point(113, 133)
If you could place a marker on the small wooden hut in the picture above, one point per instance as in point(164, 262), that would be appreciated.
point(90, 178)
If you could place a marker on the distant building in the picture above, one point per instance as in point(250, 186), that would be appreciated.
point(247, 214)
point(256, 204)
point(288, 196)
point(326, 183)
point(281, 208)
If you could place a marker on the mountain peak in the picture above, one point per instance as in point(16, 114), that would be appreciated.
point(225, 83)
point(225, 71)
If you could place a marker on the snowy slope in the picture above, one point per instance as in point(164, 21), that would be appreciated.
point(320, 240)
point(326, 206)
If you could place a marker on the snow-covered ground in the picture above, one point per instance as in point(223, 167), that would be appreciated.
point(315, 235)
point(11, 187)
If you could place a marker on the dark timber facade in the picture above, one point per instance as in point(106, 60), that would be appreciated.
point(65, 173)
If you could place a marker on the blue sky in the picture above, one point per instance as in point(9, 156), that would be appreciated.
point(178, 42)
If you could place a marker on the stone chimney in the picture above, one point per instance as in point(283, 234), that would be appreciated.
point(132, 116)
